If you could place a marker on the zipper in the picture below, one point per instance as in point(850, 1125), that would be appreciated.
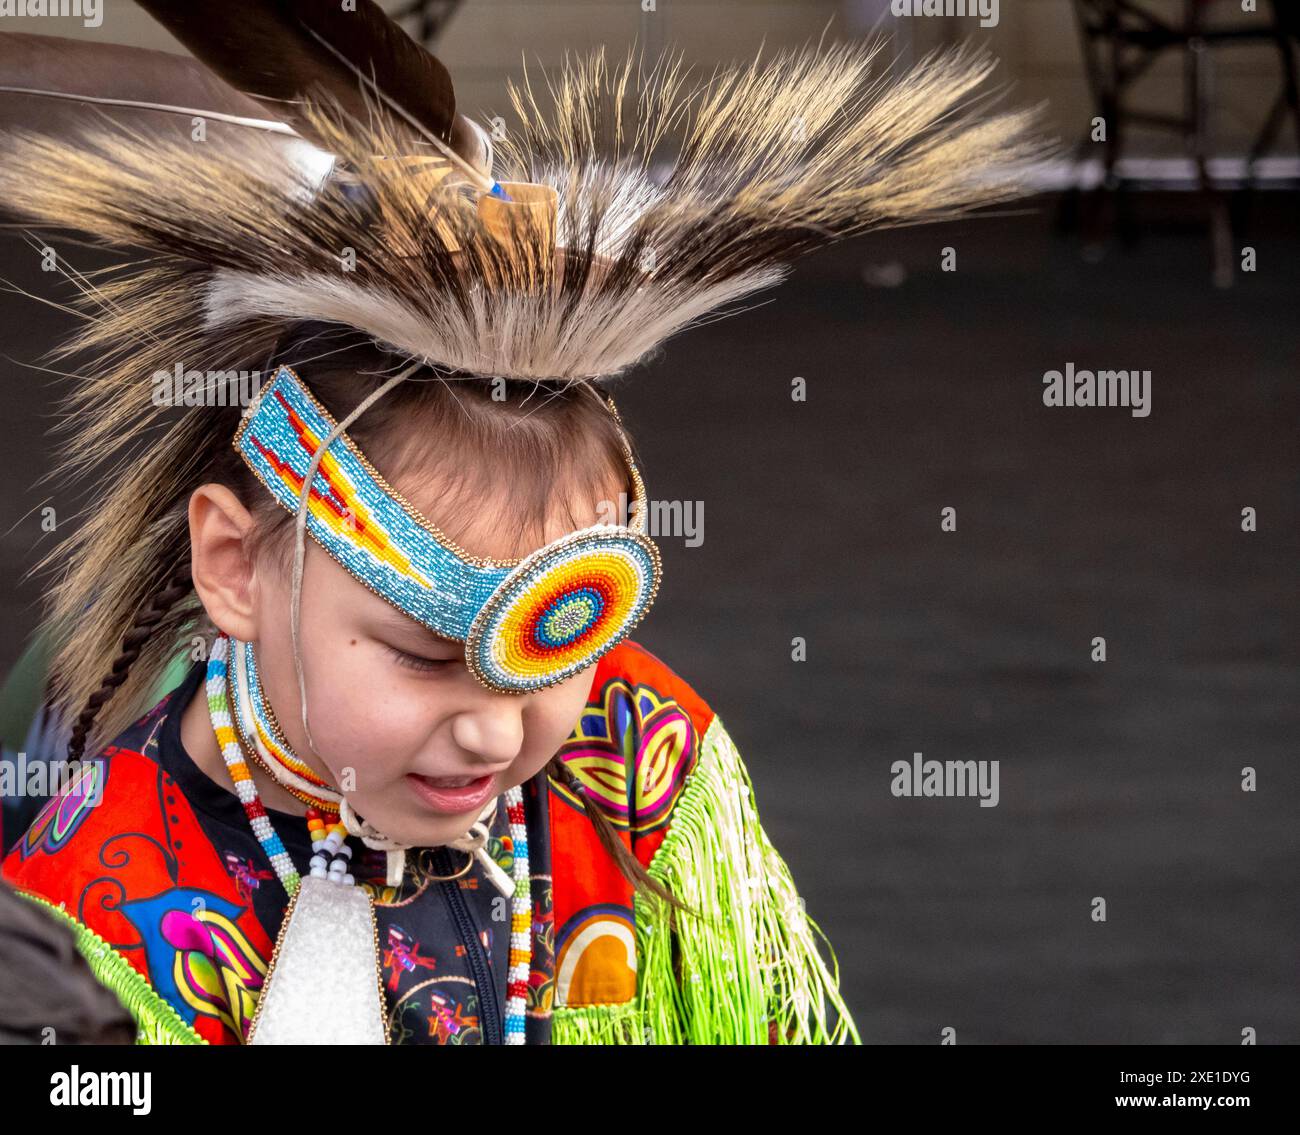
point(493, 1024)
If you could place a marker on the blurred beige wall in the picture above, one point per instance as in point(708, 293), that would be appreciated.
point(1036, 40)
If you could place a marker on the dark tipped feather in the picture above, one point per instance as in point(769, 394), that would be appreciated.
point(64, 90)
point(59, 87)
point(289, 53)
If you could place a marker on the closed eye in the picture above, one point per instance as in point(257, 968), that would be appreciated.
point(420, 664)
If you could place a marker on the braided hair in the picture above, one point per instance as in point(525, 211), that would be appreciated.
point(628, 864)
point(142, 629)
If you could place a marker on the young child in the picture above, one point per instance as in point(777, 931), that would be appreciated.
point(419, 784)
point(170, 871)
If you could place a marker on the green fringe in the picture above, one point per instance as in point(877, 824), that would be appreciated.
point(753, 960)
point(598, 1024)
point(156, 1021)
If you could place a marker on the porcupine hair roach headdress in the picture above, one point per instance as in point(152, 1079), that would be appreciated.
point(634, 203)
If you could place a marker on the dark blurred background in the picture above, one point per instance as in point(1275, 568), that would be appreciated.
point(821, 519)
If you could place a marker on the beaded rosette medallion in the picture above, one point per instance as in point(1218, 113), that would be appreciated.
point(526, 624)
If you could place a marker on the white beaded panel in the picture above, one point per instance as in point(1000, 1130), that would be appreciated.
point(324, 987)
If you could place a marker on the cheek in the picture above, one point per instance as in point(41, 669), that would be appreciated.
point(362, 719)
point(553, 718)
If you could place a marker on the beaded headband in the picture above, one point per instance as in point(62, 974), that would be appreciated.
point(526, 624)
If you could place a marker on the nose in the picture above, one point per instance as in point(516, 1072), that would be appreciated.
point(492, 731)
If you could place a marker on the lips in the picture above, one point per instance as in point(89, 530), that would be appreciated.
point(452, 795)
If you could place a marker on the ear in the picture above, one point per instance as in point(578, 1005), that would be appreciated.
point(223, 571)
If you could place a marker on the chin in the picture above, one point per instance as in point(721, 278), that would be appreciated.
point(423, 831)
point(435, 835)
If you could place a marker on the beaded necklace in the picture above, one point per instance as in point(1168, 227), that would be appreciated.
point(326, 838)
point(265, 742)
point(329, 838)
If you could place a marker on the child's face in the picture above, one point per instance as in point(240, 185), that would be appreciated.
point(389, 703)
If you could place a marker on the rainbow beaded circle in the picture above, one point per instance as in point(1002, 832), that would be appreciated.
point(563, 607)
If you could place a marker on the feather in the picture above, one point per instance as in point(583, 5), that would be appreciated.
point(37, 68)
point(763, 162)
point(287, 54)
point(153, 107)
point(746, 192)
point(62, 88)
